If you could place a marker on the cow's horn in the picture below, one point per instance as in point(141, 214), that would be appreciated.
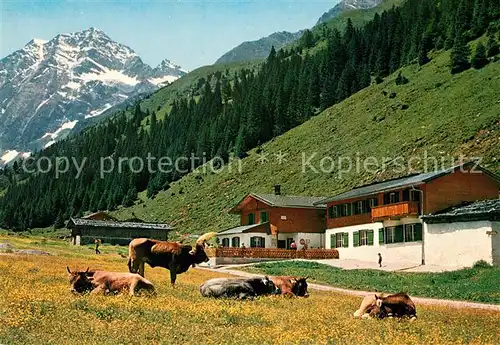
point(69, 271)
point(205, 237)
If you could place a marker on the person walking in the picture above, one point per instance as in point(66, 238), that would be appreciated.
point(293, 245)
point(379, 260)
point(97, 242)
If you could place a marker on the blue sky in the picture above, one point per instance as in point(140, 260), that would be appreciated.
point(189, 33)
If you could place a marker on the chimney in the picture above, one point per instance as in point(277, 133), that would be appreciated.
point(277, 189)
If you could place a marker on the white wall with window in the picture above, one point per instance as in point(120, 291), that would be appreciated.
point(249, 239)
point(397, 241)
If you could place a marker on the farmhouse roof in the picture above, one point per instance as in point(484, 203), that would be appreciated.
point(263, 227)
point(411, 180)
point(479, 210)
point(288, 201)
point(114, 224)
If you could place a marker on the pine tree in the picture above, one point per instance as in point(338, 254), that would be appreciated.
point(479, 60)
point(480, 18)
point(460, 55)
point(59, 222)
point(492, 46)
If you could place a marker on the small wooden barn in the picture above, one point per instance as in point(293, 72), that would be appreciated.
point(109, 230)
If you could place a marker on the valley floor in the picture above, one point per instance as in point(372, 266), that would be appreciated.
point(36, 307)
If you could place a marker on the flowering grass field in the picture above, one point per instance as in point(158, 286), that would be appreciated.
point(36, 307)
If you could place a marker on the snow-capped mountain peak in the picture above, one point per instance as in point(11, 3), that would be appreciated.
point(47, 84)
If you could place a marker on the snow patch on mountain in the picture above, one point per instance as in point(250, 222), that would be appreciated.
point(55, 134)
point(98, 112)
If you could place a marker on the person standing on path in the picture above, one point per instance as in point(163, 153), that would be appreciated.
point(379, 260)
point(293, 245)
point(97, 243)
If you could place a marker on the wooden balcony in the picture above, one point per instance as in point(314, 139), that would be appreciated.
point(398, 210)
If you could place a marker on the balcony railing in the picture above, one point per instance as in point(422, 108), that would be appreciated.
point(399, 209)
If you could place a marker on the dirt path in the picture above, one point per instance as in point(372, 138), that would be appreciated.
point(419, 300)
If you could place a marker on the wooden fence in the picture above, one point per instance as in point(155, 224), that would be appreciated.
point(272, 253)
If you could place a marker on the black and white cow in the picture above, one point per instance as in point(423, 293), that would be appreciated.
point(238, 288)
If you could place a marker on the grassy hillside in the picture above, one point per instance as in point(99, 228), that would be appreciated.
point(446, 116)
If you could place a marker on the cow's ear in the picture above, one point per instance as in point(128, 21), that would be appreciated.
point(293, 280)
point(69, 271)
point(376, 297)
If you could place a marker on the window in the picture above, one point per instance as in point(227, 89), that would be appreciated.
point(235, 242)
point(339, 240)
point(359, 207)
point(250, 219)
point(225, 242)
point(257, 242)
point(363, 238)
point(394, 234)
point(406, 195)
point(372, 203)
point(345, 210)
point(391, 198)
point(415, 195)
point(413, 232)
point(333, 212)
point(264, 216)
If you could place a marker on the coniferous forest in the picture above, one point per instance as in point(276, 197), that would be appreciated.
point(235, 113)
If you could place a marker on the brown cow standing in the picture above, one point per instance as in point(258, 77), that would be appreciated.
point(174, 256)
point(102, 282)
point(291, 286)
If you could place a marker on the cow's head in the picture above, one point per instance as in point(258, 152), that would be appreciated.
point(79, 281)
point(299, 287)
point(378, 301)
point(269, 286)
point(199, 248)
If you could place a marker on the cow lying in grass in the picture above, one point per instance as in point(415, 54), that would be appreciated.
point(238, 288)
point(382, 305)
point(103, 282)
point(397, 305)
point(291, 286)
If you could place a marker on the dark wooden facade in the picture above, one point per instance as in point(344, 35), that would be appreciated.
point(86, 231)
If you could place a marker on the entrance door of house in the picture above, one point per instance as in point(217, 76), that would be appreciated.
point(282, 244)
point(288, 241)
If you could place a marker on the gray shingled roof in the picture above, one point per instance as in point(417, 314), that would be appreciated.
point(407, 181)
point(479, 210)
point(241, 229)
point(113, 224)
point(290, 200)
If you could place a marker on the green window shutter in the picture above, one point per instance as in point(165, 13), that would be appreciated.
point(251, 219)
point(263, 217)
point(252, 242)
point(418, 232)
point(263, 242)
point(345, 239)
point(399, 234)
point(332, 241)
point(370, 237)
point(355, 241)
point(381, 236)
